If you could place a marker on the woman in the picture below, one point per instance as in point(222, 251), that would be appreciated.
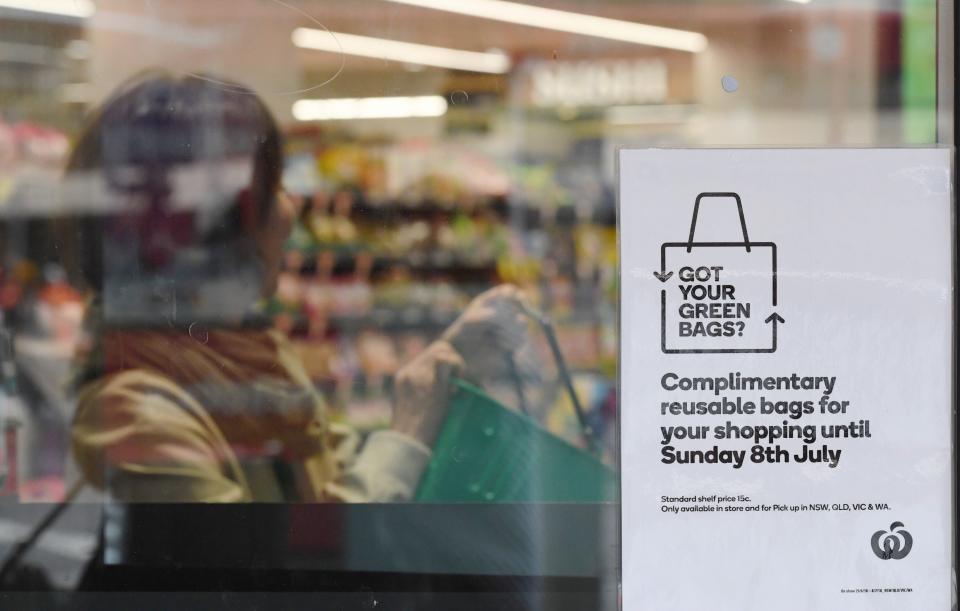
point(187, 394)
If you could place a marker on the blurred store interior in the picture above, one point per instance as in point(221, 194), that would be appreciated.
point(440, 148)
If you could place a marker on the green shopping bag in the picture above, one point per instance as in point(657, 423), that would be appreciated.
point(489, 454)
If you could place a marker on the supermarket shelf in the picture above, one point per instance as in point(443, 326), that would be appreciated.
point(420, 264)
point(407, 320)
point(525, 214)
point(423, 319)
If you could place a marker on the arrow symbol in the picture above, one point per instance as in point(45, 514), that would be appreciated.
point(663, 276)
point(774, 318)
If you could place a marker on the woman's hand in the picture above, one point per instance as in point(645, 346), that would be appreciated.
point(491, 327)
point(422, 390)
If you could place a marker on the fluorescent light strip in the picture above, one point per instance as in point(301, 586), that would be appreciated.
point(408, 52)
point(81, 9)
point(565, 21)
point(342, 109)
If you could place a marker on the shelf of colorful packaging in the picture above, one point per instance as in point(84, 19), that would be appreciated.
point(524, 214)
point(419, 264)
point(423, 319)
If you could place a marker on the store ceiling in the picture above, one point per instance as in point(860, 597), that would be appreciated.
point(391, 20)
point(250, 40)
point(267, 24)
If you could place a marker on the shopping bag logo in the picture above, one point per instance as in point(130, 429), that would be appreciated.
point(718, 297)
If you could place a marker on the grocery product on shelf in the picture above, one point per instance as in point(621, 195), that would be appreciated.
point(395, 239)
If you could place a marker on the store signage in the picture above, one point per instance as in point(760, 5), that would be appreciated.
point(599, 83)
point(786, 376)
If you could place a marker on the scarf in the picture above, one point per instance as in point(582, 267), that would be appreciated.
point(251, 382)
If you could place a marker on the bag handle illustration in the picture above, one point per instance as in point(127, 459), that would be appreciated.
point(696, 210)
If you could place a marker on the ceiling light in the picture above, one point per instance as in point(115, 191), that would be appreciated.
point(565, 21)
point(340, 109)
point(395, 50)
point(80, 9)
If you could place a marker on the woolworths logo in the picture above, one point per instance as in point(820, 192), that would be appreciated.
point(893, 544)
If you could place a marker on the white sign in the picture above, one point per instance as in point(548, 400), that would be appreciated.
point(599, 83)
point(786, 379)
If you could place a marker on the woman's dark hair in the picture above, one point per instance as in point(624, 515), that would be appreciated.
point(155, 123)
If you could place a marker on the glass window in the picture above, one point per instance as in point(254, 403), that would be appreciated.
point(322, 296)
